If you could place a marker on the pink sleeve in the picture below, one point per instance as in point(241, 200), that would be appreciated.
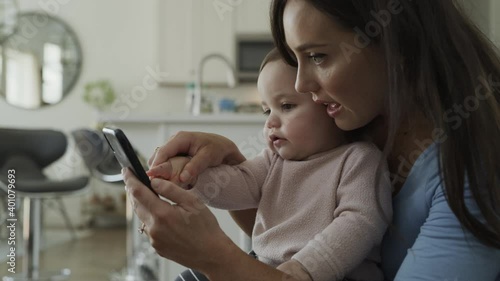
point(235, 187)
point(361, 217)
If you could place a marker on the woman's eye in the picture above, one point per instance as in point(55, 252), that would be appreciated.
point(316, 58)
point(287, 106)
point(266, 112)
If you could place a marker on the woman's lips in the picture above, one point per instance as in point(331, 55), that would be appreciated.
point(333, 109)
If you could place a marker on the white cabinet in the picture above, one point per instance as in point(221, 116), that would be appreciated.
point(191, 29)
point(147, 132)
point(252, 17)
point(176, 39)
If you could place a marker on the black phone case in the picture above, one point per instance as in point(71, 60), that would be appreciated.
point(125, 154)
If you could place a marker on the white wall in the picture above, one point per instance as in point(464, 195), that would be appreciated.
point(119, 41)
point(479, 11)
point(494, 20)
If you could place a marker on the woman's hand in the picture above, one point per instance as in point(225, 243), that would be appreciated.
point(186, 232)
point(206, 150)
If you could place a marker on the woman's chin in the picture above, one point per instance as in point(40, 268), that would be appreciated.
point(348, 125)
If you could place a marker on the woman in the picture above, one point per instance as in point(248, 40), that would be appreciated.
point(422, 82)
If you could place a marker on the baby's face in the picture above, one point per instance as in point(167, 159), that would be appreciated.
point(296, 127)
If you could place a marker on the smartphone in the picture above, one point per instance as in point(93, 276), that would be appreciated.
point(125, 154)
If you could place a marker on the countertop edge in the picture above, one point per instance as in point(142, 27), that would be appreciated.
point(181, 118)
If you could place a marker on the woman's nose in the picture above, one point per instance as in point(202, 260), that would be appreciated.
point(305, 83)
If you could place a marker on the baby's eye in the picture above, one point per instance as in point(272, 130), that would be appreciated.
point(287, 106)
point(266, 112)
point(317, 58)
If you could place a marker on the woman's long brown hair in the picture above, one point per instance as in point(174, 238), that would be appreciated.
point(438, 63)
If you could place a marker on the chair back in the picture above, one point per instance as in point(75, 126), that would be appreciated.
point(42, 146)
point(97, 155)
point(90, 146)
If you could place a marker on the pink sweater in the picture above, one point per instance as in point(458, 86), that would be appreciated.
point(325, 212)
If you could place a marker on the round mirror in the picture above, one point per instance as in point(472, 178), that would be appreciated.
point(8, 18)
point(40, 62)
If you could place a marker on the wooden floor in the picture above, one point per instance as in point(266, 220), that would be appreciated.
point(90, 258)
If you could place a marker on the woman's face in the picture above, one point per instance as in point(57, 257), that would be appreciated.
point(352, 81)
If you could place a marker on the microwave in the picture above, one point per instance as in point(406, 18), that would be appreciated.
point(250, 51)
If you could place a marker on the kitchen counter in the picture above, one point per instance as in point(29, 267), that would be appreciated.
point(222, 118)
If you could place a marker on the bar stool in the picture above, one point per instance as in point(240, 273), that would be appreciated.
point(24, 153)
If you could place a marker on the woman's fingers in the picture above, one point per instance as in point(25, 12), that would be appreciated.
point(183, 198)
point(186, 231)
point(206, 150)
point(200, 161)
point(143, 200)
point(146, 202)
point(180, 143)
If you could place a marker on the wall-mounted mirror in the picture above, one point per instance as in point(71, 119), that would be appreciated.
point(40, 63)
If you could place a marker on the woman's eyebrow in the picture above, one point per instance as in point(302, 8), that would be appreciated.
point(306, 46)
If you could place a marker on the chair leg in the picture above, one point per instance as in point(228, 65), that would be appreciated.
point(133, 240)
point(32, 234)
point(65, 215)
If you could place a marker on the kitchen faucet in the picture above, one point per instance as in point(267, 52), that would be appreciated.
point(231, 80)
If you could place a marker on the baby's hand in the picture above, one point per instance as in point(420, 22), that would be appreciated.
point(295, 270)
point(171, 170)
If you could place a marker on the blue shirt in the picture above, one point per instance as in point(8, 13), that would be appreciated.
point(426, 241)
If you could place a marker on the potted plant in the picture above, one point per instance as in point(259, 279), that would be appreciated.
point(99, 94)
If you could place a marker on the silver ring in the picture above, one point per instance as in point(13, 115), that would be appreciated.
point(141, 229)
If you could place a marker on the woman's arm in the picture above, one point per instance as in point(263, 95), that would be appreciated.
point(188, 233)
point(245, 219)
point(445, 250)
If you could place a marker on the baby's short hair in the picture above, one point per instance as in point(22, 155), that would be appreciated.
point(273, 55)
